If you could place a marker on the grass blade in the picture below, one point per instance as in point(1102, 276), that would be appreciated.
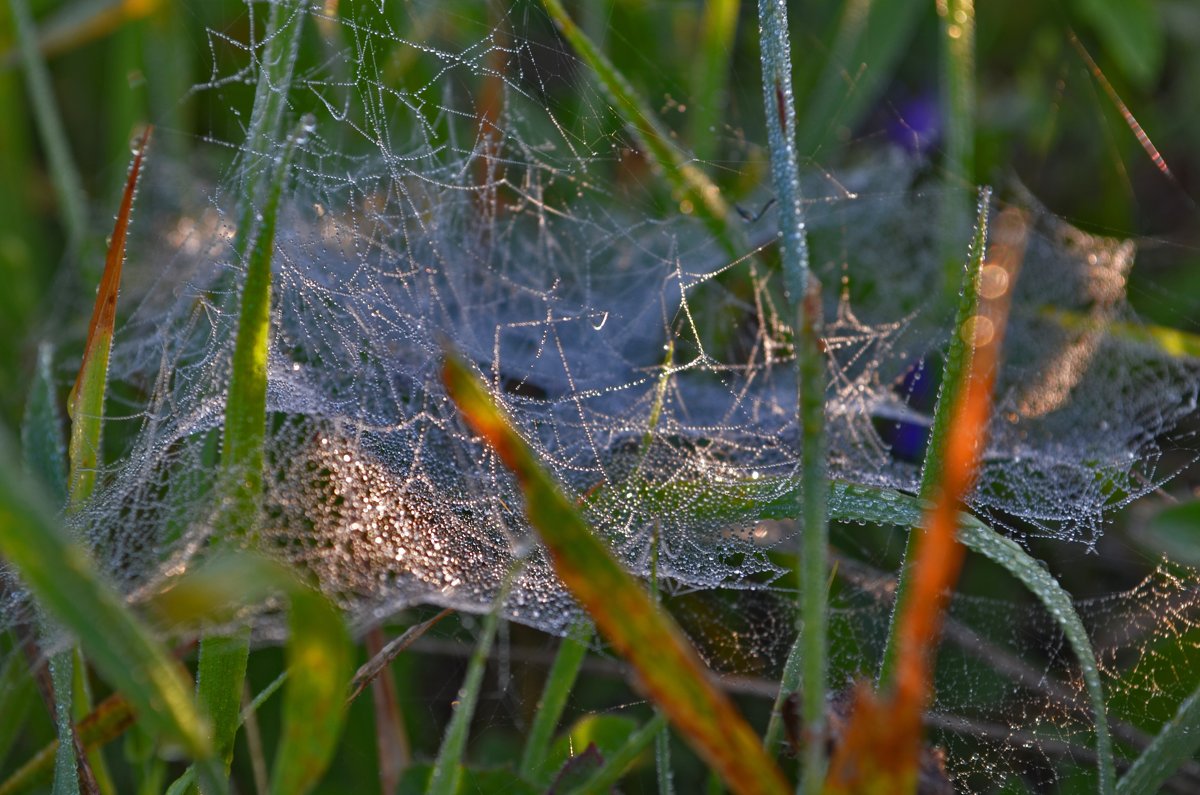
point(625, 614)
point(689, 183)
point(1176, 743)
point(62, 675)
point(567, 662)
point(318, 655)
point(958, 106)
point(444, 778)
point(85, 405)
point(604, 779)
point(63, 579)
point(42, 445)
point(222, 666)
point(318, 658)
point(710, 75)
point(67, 184)
point(804, 293)
point(958, 365)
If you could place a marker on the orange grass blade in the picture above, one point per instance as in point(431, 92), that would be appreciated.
point(86, 402)
point(880, 751)
point(669, 669)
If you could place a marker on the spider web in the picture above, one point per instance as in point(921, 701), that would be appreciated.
point(478, 209)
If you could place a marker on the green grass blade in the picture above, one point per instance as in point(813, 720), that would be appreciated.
point(277, 63)
point(62, 676)
point(444, 778)
point(318, 654)
point(669, 669)
point(16, 696)
point(222, 666)
point(955, 374)
point(1175, 532)
point(604, 779)
point(870, 39)
point(804, 293)
point(689, 183)
point(775, 498)
point(710, 75)
point(319, 666)
point(85, 405)
point(559, 681)
point(42, 445)
point(789, 683)
point(67, 184)
point(1176, 743)
point(64, 581)
point(958, 104)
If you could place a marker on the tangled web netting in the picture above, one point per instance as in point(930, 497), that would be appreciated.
point(414, 219)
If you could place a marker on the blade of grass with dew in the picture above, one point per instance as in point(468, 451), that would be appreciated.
point(222, 665)
point(445, 777)
point(870, 39)
point(318, 654)
point(266, 116)
point(63, 173)
point(686, 179)
point(85, 405)
point(606, 778)
point(559, 681)
point(804, 293)
point(958, 103)
point(668, 666)
point(958, 363)
point(776, 498)
point(1176, 743)
point(789, 682)
point(710, 75)
point(64, 581)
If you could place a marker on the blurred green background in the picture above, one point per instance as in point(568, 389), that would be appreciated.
point(1043, 118)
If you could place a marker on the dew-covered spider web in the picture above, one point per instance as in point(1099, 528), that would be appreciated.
point(485, 198)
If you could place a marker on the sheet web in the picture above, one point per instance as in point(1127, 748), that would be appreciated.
point(480, 211)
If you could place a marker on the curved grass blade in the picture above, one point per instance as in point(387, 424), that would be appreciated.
point(668, 667)
point(63, 579)
point(563, 672)
point(689, 183)
point(85, 405)
point(604, 779)
point(1176, 743)
point(775, 498)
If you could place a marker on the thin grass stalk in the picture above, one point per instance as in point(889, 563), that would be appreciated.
point(789, 683)
point(444, 778)
point(710, 75)
point(804, 293)
point(957, 19)
point(63, 172)
point(960, 358)
point(559, 681)
point(604, 779)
